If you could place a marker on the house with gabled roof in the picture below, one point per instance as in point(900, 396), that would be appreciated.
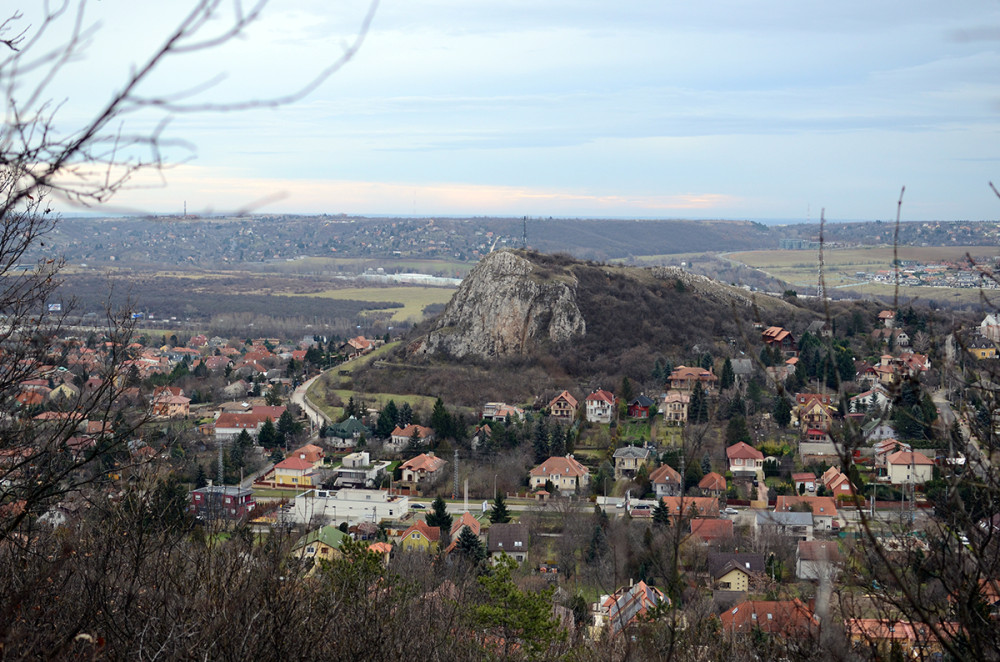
point(510, 538)
point(295, 472)
point(684, 378)
point(784, 618)
point(691, 507)
point(563, 406)
point(744, 458)
point(794, 524)
point(824, 509)
point(675, 407)
point(711, 530)
point(734, 571)
point(909, 468)
point(640, 407)
point(817, 559)
point(323, 543)
point(712, 484)
point(628, 459)
point(401, 436)
point(566, 473)
point(424, 469)
point(666, 481)
point(346, 434)
point(776, 336)
point(420, 537)
point(600, 406)
point(628, 606)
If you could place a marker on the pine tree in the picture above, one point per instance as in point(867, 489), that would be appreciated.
point(405, 415)
point(782, 411)
point(268, 435)
point(728, 378)
point(661, 514)
point(470, 546)
point(557, 441)
point(499, 513)
point(439, 516)
point(698, 405)
point(201, 479)
point(541, 441)
point(441, 421)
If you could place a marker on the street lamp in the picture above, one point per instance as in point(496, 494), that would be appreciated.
point(495, 486)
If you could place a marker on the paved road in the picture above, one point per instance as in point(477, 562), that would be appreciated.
point(317, 417)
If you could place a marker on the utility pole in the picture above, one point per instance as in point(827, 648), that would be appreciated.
point(454, 489)
point(524, 232)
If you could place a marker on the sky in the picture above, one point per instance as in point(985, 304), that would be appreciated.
point(642, 109)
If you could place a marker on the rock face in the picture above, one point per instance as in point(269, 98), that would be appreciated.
point(505, 307)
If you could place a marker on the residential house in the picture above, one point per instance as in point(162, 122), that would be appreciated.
point(880, 639)
point(989, 328)
point(684, 378)
point(876, 399)
point(775, 336)
point(310, 453)
point(400, 437)
point(711, 530)
point(892, 337)
point(813, 410)
point(836, 483)
point(691, 507)
point(566, 474)
point(887, 318)
point(357, 346)
point(744, 458)
point(323, 543)
point(908, 468)
point(501, 412)
point(357, 470)
point(742, 370)
point(599, 406)
point(817, 560)
point(222, 502)
point(640, 407)
point(346, 434)
point(510, 539)
point(784, 618)
point(733, 571)
point(793, 524)
point(666, 481)
point(295, 472)
point(424, 469)
point(628, 606)
point(628, 459)
point(675, 407)
point(824, 509)
point(563, 406)
point(464, 521)
point(981, 348)
point(883, 449)
point(712, 485)
point(821, 328)
point(229, 425)
point(877, 430)
point(420, 537)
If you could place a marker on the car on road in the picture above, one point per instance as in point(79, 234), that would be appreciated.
point(417, 506)
point(731, 511)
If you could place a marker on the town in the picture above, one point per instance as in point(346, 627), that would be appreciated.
point(751, 488)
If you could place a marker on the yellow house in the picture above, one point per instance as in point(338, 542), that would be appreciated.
point(736, 579)
point(322, 543)
point(420, 537)
point(296, 472)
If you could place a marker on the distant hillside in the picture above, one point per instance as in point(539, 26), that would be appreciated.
point(523, 322)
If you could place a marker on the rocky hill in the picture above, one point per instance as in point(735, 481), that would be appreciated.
point(522, 322)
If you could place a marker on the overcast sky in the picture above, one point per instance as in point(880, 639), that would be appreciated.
point(722, 109)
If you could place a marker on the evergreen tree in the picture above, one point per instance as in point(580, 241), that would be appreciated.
point(557, 441)
point(698, 406)
point(439, 516)
point(499, 513)
point(277, 456)
point(706, 361)
point(728, 378)
point(273, 397)
point(627, 392)
point(405, 415)
point(737, 431)
point(386, 420)
point(470, 546)
point(598, 546)
point(706, 463)
point(237, 453)
point(661, 514)
point(288, 427)
point(441, 421)
point(541, 441)
point(201, 478)
point(268, 436)
point(782, 411)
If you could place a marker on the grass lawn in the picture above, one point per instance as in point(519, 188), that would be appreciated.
point(276, 494)
point(413, 298)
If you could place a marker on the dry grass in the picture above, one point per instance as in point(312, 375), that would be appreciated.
point(413, 299)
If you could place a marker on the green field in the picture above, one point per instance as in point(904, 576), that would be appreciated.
point(413, 298)
point(354, 265)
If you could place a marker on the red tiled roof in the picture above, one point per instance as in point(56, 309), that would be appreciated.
point(563, 466)
point(712, 481)
point(743, 451)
